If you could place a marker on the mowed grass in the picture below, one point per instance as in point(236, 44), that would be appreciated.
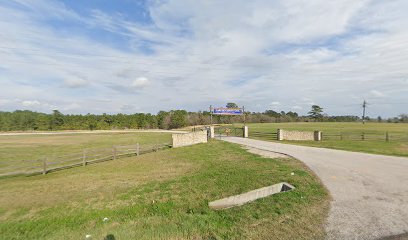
point(398, 132)
point(32, 147)
point(165, 195)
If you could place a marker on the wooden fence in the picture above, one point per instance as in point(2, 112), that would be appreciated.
point(229, 131)
point(366, 136)
point(87, 156)
point(264, 135)
point(350, 136)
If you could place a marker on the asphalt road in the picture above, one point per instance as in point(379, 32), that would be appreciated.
point(370, 192)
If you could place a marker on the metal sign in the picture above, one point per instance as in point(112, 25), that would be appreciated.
point(227, 111)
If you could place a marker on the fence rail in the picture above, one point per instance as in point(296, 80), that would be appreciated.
point(264, 135)
point(87, 156)
point(229, 131)
point(365, 136)
point(351, 136)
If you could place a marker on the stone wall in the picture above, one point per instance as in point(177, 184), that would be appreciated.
point(299, 135)
point(186, 139)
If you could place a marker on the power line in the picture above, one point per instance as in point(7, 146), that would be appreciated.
point(177, 68)
point(40, 52)
point(231, 71)
point(87, 54)
point(389, 103)
point(206, 65)
point(175, 74)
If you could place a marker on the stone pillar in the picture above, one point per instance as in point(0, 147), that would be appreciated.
point(211, 134)
point(280, 134)
point(317, 135)
point(245, 130)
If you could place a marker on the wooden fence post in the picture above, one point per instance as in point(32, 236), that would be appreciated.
point(114, 153)
point(45, 166)
point(341, 136)
point(84, 158)
point(137, 149)
point(387, 137)
point(362, 136)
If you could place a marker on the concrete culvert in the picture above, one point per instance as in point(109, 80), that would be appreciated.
point(253, 195)
point(286, 187)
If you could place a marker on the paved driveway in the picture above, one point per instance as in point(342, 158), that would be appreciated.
point(370, 192)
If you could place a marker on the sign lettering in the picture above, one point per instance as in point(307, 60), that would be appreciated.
point(227, 111)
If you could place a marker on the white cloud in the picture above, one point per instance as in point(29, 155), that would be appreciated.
point(275, 103)
point(30, 103)
point(326, 50)
point(75, 82)
point(308, 101)
point(4, 101)
point(53, 9)
point(377, 93)
point(71, 106)
point(141, 82)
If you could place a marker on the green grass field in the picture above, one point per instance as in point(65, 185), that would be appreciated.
point(398, 144)
point(31, 147)
point(162, 195)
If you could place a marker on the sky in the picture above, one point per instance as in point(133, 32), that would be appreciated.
point(144, 56)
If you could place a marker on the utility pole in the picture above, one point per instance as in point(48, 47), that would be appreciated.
point(364, 109)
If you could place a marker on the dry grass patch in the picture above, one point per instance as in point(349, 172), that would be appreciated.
point(403, 147)
point(398, 135)
point(14, 149)
point(96, 183)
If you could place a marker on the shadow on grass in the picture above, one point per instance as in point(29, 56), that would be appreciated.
point(109, 237)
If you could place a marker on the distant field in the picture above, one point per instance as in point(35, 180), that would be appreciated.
point(32, 147)
point(398, 133)
point(165, 195)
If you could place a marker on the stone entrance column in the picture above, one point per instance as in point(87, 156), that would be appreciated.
point(211, 133)
point(245, 131)
point(317, 135)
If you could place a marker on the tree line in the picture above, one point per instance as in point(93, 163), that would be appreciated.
point(23, 120)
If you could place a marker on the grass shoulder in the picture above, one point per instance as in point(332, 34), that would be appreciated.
point(396, 146)
point(165, 195)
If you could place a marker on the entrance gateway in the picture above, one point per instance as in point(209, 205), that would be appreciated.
point(228, 130)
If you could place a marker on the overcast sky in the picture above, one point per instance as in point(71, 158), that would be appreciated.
point(144, 56)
